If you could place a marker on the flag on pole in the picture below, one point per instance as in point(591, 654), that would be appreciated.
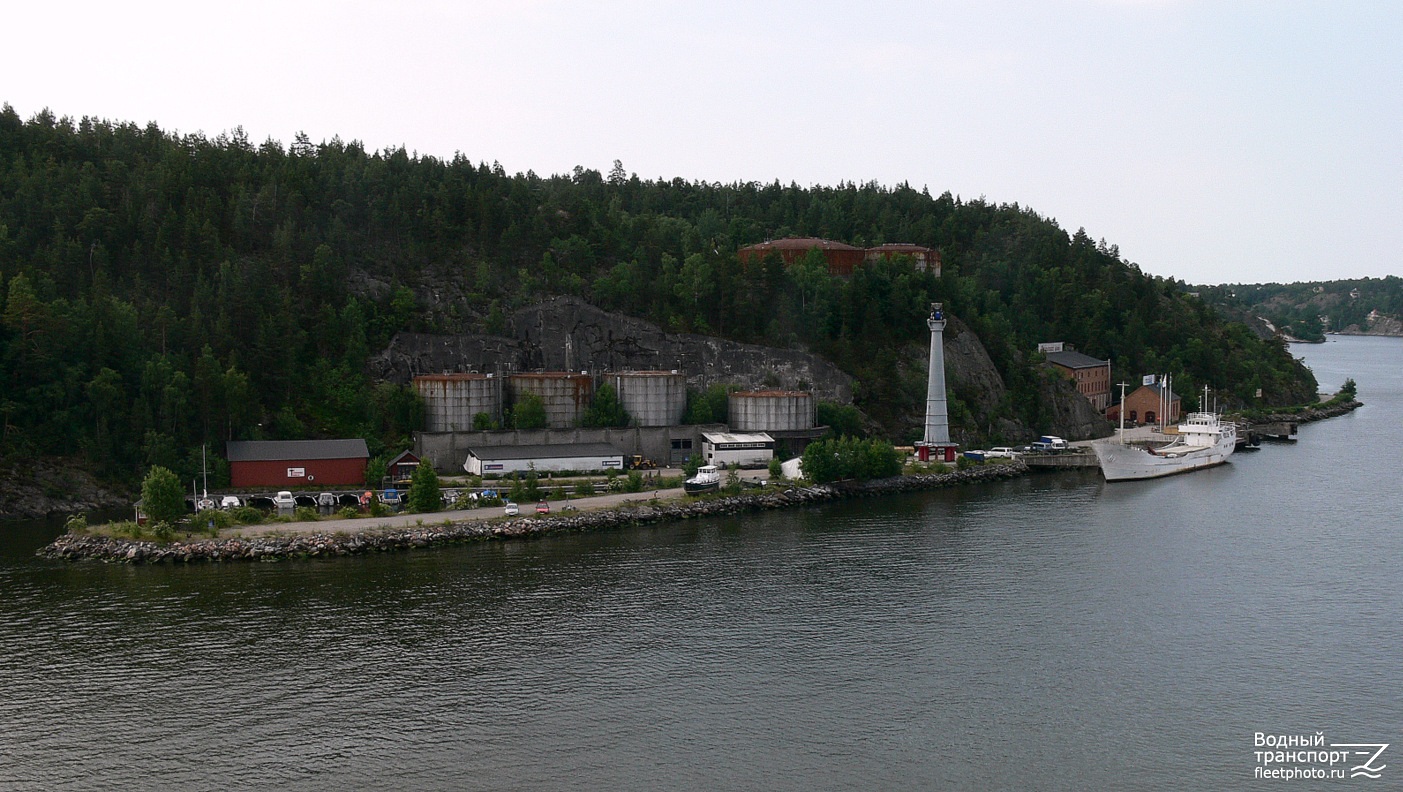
point(1149, 379)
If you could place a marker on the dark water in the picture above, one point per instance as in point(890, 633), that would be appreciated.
point(1047, 633)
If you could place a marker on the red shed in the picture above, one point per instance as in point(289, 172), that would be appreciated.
point(297, 463)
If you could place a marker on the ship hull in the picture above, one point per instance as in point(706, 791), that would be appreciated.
point(1131, 463)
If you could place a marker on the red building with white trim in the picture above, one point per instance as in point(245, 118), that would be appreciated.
point(297, 463)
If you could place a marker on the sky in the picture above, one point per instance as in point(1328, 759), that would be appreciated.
point(1237, 141)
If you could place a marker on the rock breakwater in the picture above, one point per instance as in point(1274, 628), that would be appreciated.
point(74, 547)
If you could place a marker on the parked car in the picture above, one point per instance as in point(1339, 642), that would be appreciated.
point(543, 508)
point(284, 500)
point(1050, 443)
point(511, 509)
point(1000, 452)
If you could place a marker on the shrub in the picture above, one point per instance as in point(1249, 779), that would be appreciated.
point(304, 514)
point(77, 524)
point(126, 528)
point(635, 482)
point(424, 492)
point(247, 515)
point(162, 497)
point(349, 512)
point(162, 531)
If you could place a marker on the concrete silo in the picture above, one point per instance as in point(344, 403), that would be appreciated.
point(771, 411)
point(451, 401)
point(566, 396)
point(651, 398)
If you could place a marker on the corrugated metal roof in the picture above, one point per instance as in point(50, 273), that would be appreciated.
point(289, 450)
point(559, 451)
point(1074, 360)
point(716, 438)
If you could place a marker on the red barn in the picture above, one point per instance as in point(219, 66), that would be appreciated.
point(297, 463)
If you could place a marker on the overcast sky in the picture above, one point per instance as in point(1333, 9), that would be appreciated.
point(1229, 141)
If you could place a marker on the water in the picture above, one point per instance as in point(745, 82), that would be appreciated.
point(1048, 633)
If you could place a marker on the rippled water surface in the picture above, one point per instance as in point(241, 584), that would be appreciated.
point(1047, 633)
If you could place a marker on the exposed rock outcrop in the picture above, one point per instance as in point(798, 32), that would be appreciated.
point(41, 488)
point(568, 334)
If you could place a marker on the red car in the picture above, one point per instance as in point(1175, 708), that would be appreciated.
point(543, 508)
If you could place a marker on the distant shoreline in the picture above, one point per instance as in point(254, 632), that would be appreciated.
point(73, 547)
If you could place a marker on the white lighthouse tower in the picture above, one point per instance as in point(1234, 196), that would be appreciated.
point(936, 444)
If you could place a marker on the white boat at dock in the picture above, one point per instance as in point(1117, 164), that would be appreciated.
point(1204, 440)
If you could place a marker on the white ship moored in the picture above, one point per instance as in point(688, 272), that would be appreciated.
point(1204, 441)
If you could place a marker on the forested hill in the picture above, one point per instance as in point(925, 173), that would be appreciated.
point(162, 291)
point(1367, 306)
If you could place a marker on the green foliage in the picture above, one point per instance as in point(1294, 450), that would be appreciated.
point(162, 496)
point(247, 515)
point(76, 524)
point(584, 488)
point(162, 531)
point(776, 469)
point(605, 410)
point(690, 465)
point(424, 494)
point(529, 412)
point(732, 484)
point(709, 406)
point(349, 513)
point(634, 482)
point(305, 514)
point(1349, 390)
point(482, 422)
point(838, 458)
point(841, 419)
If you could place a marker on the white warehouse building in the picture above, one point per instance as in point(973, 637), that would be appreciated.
point(731, 448)
point(505, 460)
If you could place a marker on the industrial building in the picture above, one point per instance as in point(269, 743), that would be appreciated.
point(1091, 376)
point(771, 411)
point(296, 463)
point(452, 401)
point(841, 258)
point(926, 259)
point(734, 448)
point(576, 457)
point(566, 395)
point(651, 398)
point(1148, 404)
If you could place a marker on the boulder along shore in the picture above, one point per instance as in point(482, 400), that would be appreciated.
point(73, 547)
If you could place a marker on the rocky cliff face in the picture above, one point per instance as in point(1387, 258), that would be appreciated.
point(1072, 416)
point(41, 488)
point(568, 334)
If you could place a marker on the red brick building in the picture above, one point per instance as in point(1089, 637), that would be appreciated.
point(1143, 405)
point(1091, 376)
point(297, 463)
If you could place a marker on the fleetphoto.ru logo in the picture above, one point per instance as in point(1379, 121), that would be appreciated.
point(1288, 757)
